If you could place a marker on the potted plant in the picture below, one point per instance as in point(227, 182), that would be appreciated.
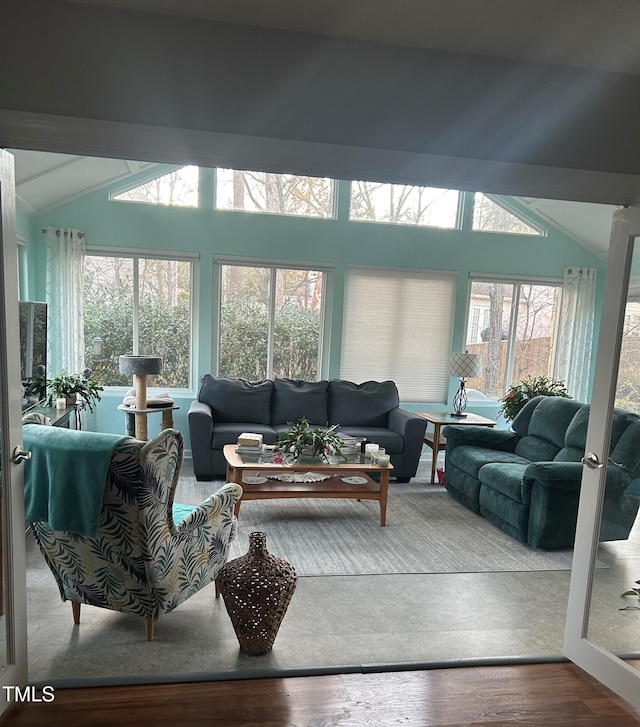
point(74, 386)
point(632, 592)
point(301, 442)
point(519, 394)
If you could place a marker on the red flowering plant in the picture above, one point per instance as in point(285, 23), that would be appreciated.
point(300, 440)
point(519, 394)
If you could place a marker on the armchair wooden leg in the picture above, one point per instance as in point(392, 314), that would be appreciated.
point(148, 628)
point(75, 607)
point(217, 589)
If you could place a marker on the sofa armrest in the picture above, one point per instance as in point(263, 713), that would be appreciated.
point(412, 429)
point(475, 436)
point(566, 476)
point(200, 425)
point(407, 424)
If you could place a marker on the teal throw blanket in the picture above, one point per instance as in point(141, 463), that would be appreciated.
point(65, 478)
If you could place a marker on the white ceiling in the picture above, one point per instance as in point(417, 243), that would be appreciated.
point(596, 34)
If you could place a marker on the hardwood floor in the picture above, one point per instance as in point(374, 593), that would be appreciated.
point(553, 695)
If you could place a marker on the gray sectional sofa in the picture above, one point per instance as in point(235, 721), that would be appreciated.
point(227, 407)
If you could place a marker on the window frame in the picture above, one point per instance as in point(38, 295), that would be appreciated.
point(541, 231)
point(407, 381)
point(136, 254)
point(150, 175)
point(326, 269)
point(333, 212)
point(517, 281)
point(458, 222)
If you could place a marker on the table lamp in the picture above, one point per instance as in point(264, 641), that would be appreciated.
point(465, 365)
point(140, 367)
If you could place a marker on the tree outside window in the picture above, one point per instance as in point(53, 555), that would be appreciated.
point(404, 204)
point(141, 306)
point(270, 322)
point(533, 309)
point(285, 194)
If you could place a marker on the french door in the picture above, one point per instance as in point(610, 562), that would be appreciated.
point(594, 643)
point(13, 608)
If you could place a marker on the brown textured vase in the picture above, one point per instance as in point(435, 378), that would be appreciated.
point(257, 589)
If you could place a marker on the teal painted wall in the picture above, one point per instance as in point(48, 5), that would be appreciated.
point(338, 241)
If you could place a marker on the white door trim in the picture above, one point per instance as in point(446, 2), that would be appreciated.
point(605, 666)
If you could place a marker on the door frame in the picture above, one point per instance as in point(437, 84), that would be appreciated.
point(14, 672)
point(124, 140)
point(602, 664)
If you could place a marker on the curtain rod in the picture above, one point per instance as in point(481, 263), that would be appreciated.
point(44, 232)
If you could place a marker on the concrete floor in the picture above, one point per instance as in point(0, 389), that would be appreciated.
point(333, 623)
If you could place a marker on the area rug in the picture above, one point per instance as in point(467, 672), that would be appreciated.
point(426, 532)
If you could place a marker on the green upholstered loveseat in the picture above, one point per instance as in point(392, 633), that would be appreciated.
point(527, 480)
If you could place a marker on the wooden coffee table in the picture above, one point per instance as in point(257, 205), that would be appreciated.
point(334, 487)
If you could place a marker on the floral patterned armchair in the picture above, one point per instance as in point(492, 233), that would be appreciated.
point(145, 560)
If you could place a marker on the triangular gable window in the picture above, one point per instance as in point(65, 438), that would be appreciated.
point(490, 216)
point(177, 189)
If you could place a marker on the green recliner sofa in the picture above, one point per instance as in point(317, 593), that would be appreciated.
point(527, 480)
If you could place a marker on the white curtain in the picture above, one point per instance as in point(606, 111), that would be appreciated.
point(65, 345)
point(573, 358)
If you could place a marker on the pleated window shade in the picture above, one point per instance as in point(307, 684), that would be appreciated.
point(397, 325)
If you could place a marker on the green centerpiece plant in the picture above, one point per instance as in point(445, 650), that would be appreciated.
point(301, 442)
point(519, 394)
point(73, 387)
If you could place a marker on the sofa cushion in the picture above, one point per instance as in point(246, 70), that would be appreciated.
point(505, 477)
point(470, 459)
point(547, 428)
point(236, 400)
point(576, 435)
point(363, 405)
point(627, 450)
point(294, 399)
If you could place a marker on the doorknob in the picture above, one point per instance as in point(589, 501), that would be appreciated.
point(19, 455)
point(591, 460)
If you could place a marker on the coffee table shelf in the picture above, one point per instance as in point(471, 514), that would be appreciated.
point(332, 488)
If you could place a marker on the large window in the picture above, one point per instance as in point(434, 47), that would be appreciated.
point(404, 204)
point(138, 305)
point(513, 326)
point(271, 321)
point(284, 194)
point(397, 325)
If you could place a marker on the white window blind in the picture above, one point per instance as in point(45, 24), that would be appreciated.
point(397, 325)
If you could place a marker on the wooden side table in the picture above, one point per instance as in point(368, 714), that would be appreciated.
point(440, 419)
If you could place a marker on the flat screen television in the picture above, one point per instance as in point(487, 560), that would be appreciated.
point(33, 352)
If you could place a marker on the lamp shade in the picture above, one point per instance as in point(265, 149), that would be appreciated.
point(466, 365)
